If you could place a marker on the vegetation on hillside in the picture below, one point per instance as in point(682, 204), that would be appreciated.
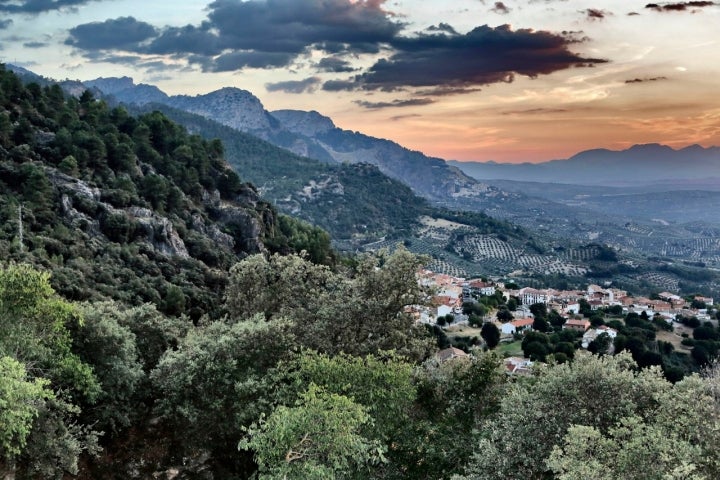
point(129, 208)
point(348, 200)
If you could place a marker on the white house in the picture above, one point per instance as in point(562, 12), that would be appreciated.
point(529, 296)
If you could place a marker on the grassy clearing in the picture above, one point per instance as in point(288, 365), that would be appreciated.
point(511, 349)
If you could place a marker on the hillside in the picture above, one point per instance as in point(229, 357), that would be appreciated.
point(133, 209)
point(308, 134)
point(355, 203)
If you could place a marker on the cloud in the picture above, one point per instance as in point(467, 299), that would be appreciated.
point(5, 23)
point(39, 6)
point(339, 85)
point(535, 111)
point(447, 91)
point(442, 27)
point(254, 34)
point(596, 14)
point(644, 80)
point(232, 61)
point(124, 33)
point(500, 8)
point(679, 6)
point(334, 64)
point(35, 44)
point(307, 85)
point(279, 31)
point(397, 118)
point(413, 102)
point(483, 56)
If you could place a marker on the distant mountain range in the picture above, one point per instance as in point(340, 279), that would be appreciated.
point(638, 165)
point(308, 134)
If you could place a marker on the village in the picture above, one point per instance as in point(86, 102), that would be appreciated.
point(582, 311)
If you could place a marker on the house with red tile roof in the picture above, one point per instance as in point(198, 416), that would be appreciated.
point(517, 326)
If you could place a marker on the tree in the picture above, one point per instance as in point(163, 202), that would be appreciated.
point(35, 330)
point(676, 442)
point(540, 324)
point(383, 385)
point(360, 312)
point(453, 397)
point(110, 349)
point(504, 315)
point(539, 310)
point(698, 304)
point(592, 391)
point(601, 344)
point(215, 384)
point(490, 334)
point(20, 402)
point(319, 438)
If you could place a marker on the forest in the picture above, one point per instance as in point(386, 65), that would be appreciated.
point(158, 319)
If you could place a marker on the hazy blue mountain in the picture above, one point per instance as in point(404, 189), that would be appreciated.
point(638, 165)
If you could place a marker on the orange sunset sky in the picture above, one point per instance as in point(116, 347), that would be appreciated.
point(510, 81)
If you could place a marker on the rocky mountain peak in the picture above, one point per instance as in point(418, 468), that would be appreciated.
point(304, 123)
point(230, 106)
point(111, 85)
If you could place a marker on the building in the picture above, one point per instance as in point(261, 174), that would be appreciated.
point(579, 325)
point(449, 354)
point(529, 296)
point(517, 326)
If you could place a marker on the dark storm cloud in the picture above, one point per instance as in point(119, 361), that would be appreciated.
point(39, 6)
point(413, 102)
point(35, 44)
point(186, 40)
point(501, 8)
point(294, 86)
point(291, 26)
point(120, 33)
point(483, 56)
point(644, 80)
point(258, 34)
point(5, 23)
point(679, 6)
point(334, 64)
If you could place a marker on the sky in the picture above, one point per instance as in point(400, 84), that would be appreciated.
point(511, 81)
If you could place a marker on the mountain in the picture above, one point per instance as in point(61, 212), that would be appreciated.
point(128, 208)
point(312, 135)
point(638, 165)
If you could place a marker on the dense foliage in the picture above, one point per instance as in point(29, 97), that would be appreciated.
point(133, 209)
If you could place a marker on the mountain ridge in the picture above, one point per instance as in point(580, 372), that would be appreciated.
point(642, 164)
point(313, 135)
